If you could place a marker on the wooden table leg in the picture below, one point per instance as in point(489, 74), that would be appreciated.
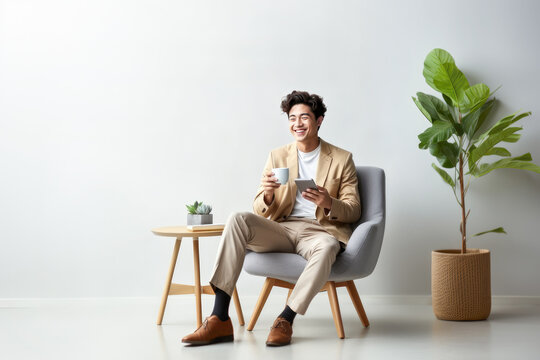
point(167, 288)
point(197, 280)
point(238, 307)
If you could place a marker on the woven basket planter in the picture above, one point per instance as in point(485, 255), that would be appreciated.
point(461, 284)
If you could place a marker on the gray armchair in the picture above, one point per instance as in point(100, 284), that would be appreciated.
point(356, 262)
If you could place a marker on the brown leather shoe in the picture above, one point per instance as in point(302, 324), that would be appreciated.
point(280, 333)
point(211, 331)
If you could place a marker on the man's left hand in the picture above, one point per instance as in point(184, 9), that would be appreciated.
point(320, 197)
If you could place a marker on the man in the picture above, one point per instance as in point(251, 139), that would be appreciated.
point(314, 223)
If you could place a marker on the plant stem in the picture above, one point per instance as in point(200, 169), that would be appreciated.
point(463, 217)
point(454, 188)
point(461, 187)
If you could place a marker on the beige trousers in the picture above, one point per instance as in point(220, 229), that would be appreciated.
point(305, 237)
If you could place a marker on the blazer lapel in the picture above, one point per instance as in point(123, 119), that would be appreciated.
point(325, 160)
point(292, 164)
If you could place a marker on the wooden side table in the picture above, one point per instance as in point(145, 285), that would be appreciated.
point(176, 289)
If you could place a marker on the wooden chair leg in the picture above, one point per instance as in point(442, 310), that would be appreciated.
point(351, 288)
point(334, 305)
point(238, 307)
point(267, 287)
point(289, 294)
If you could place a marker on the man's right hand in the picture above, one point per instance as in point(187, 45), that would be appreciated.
point(269, 184)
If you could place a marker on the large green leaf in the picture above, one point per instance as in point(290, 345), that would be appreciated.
point(450, 81)
point(499, 151)
point(470, 122)
point(498, 126)
point(485, 110)
point(422, 110)
point(475, 97)
point(440, 131)
point(499, 230)
point(433, 62)
point(512, 138)
point(506, 121)
point(451, 107)
point(444, 175)
point(446, 153)
point(490, 141)
point(448, 101)
point(469, 158)
point(437, 109)
point(522, 162)
point(475, 118)
point(524, 157)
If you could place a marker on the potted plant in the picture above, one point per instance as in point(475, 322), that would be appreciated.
point(460, 139)
point(199, 214)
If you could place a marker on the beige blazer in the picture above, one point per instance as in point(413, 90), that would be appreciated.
point(335, 172)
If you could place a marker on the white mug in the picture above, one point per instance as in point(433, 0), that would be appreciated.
point(282, 175)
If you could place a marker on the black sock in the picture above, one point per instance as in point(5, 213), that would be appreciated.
point(221, 304)
point(288, 314)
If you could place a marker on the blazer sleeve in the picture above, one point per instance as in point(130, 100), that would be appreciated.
point(346, 207)
point(259, 206)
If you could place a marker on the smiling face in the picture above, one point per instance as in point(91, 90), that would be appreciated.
point(304, 126)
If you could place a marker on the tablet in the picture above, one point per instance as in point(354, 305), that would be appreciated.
point(304, 184)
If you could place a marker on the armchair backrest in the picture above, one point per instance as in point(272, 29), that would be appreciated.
point(371, 186)
point(364, 246)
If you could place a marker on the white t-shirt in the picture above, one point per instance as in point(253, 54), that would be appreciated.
point(307, 169)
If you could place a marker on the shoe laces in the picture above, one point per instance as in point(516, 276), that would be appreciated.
point(280, 324)
point(204, 324)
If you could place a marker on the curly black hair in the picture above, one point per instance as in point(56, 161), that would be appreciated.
point(314, 101)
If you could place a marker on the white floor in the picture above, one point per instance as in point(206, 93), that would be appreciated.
point(126, 329)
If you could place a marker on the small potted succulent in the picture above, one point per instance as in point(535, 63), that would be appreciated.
point(199, 214)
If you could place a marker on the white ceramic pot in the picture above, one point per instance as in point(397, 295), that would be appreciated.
point(197, 219)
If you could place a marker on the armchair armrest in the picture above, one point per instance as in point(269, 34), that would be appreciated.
point(362, 251)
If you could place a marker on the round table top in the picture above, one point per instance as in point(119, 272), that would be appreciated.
point(181, 231)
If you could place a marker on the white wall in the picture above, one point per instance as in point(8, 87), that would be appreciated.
point(114, 114)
